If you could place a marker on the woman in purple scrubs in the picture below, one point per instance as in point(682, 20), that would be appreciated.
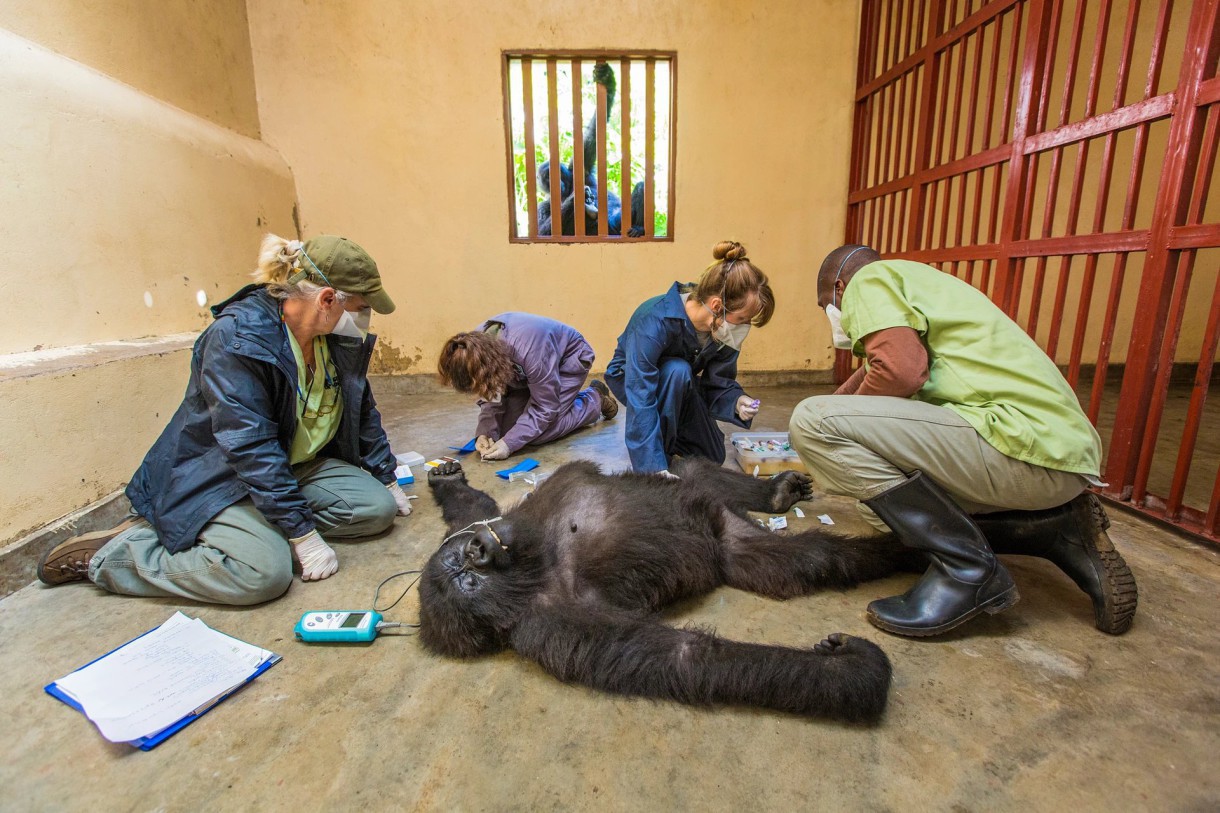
point(528, 373)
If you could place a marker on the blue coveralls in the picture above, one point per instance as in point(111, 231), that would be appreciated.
point(675, 390)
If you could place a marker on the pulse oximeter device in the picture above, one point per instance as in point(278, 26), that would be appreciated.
point(338, 626)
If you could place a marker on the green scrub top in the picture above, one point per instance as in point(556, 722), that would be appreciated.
point(319, 401)
point(981, 364)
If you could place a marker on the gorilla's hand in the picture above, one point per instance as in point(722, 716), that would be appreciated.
point(788, 488)
point(450, 470)
point(590, 202)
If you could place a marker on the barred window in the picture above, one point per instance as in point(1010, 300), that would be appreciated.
point(606, 118)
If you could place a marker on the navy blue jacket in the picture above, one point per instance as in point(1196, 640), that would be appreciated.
point(660, 329)
point(231, 436)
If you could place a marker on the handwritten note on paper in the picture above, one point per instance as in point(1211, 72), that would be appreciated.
point(159, 678)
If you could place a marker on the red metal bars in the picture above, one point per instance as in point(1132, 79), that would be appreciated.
point(1162, 292)
point(925, 169)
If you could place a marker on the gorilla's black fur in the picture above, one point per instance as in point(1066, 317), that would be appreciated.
point(573, 578)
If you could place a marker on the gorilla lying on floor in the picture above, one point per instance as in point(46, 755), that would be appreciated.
point(573, 578)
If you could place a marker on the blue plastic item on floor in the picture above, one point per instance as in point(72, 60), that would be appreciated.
point(527, 464)
point(467, 449)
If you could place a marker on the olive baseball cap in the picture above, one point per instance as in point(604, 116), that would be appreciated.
point(341, 264)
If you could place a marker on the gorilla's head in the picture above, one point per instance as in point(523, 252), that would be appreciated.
point(565, 180)
point(472, 591)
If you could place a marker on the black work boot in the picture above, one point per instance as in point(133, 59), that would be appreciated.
point(964, 579)
point(68, 561)
point(1073, 536)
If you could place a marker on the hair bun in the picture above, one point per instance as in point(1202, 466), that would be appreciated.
point(728, 250)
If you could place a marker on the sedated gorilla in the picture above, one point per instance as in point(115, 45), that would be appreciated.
point(603, 74)
point(573, 578)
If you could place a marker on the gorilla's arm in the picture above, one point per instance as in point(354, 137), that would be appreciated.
point(739, 491)
point(843, 677)
point(637, 211)
point(460, 503)
point(603, 74)
point(544, 218)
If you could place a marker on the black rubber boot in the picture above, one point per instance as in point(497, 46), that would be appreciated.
point(1074, 537)
point(964, 578)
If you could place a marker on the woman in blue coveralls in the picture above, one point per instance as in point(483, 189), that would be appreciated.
point(675, 366)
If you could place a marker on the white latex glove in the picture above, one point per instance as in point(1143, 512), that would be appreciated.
point(318, 559)
point(482, 444)
point(400, 499)
point(747, 408)
point(498, 451)
point(669, 474)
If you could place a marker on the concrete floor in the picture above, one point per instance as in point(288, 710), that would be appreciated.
point(1031, 709)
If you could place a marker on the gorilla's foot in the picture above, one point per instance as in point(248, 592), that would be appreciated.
point(787, 489)
point(870, 670)
point(837, 643)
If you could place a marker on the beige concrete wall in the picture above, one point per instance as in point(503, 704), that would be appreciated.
point(125, 217)
point(391, 116)
point(76, 433)
point(194, 54)
point(125, 207)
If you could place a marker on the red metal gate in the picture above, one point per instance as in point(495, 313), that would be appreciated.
point(1058, 155)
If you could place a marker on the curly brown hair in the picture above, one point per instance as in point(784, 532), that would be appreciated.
point(734, 277)
point(477, 364)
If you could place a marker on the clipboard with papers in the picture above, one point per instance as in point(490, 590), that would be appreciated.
point(156, 684)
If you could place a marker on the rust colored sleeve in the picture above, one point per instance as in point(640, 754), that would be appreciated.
point(897, 363)
point(852, 384)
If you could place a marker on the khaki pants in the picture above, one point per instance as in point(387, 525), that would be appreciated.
point(240, 557)
point(861, 445)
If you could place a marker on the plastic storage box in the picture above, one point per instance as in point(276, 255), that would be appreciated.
point(769, 451)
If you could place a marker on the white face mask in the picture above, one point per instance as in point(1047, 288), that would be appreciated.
point(730, 334)
point(355, 325)
point(726, 332)
point(838, 337)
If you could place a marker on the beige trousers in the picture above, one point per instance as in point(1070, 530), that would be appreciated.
point(861, 445)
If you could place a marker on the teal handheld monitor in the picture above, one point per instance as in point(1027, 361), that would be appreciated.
point(339, 626)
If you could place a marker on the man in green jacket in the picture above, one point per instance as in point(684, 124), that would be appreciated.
point(968, 442)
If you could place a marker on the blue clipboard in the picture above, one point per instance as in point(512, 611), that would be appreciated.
point(153, 740)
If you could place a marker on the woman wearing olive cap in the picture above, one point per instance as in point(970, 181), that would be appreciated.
point(277, 443)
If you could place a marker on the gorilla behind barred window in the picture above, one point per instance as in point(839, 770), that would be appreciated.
point(586, 196)
point(573, 578)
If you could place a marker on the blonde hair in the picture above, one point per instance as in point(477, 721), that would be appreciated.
point(278, 260)
point(735, 279)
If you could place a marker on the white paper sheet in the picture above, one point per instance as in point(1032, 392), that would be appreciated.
point(149, 684)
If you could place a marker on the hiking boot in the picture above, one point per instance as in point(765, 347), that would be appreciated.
point(68, 561)
point(609, 405)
